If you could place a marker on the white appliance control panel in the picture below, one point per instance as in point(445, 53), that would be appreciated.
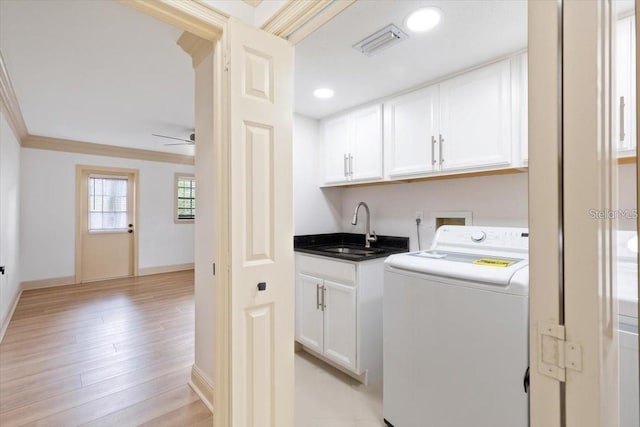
point(495, 238)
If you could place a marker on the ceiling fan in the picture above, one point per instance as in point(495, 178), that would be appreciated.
point(190, 141)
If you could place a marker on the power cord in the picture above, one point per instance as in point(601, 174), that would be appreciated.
point(418, 221)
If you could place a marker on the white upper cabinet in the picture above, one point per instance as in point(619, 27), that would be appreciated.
point(475, 118)
point(353, 146)
point(411, 131)
point(624, 102)
point(336, 149)
point(366, 147)
point(474, 121)
point(520, 109)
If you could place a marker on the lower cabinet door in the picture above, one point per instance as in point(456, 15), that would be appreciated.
point(309, 315)
point(340, 324)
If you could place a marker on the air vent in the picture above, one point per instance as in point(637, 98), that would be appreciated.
point(380, 40)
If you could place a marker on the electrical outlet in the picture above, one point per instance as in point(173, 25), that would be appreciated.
point(420, 216)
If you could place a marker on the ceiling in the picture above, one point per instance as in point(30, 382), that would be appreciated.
point(98, 71)
point(470, 32)
point(102, 72)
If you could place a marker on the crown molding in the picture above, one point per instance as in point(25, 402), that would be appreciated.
point(253, 3)
point(81, 147)
point(194, 16)
point(299, 18)
point(196, 47)
point(10, 104)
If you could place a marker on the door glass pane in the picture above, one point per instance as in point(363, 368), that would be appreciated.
point(624, 107)
point(107, 203)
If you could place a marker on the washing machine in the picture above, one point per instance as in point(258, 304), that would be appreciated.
point(456, 331)
point(627, 281)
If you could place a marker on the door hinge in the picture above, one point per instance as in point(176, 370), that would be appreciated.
point(555, 353)
point(214, 268)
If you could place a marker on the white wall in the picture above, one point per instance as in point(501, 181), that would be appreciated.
point(9, 218)
point(48, 213)
point(499, 200)
point(316, 210)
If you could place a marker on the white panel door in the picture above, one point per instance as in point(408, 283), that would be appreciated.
point(340, 323)
point(411, 133)
point(106, 212)
point(475, 118)
point(335, 144)
point(366, 144)
point(309, 312)
point(261, 332)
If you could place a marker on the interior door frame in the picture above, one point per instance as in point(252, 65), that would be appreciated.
point(82, 170)
point(204, 22)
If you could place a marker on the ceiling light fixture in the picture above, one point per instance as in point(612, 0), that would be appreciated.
point(323, 93)
point(424, 19)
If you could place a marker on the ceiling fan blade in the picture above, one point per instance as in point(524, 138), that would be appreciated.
point(171, 137)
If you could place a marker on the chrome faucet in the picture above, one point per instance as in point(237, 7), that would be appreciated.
point(368, 236)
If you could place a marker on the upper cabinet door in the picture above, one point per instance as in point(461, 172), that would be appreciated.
point(365, 162)
point(336, 149)
point(624, 103)
point(475, 118)
point(411, 133)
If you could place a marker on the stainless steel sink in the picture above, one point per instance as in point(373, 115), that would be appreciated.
point(352, 251)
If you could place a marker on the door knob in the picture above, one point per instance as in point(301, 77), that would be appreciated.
point(130, 231)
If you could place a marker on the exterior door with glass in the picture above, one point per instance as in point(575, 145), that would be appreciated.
point(106, 242)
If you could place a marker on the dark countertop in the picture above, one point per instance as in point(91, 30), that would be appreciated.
point(316, 243)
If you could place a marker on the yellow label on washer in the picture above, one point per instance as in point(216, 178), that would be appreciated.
point(491, 262)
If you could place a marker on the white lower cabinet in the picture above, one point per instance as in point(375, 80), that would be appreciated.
point(340, 323)
point(309, 321)
point(339, 312)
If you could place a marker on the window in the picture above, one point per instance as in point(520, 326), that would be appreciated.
point(185, 198)
point(107, 203)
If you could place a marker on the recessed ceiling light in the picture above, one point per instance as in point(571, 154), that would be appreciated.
point(323, 93)
point(424, 19)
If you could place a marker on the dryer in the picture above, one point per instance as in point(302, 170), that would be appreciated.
point(456, 331)
point(627, 284)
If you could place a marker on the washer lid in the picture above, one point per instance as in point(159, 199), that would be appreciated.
point(494, 270)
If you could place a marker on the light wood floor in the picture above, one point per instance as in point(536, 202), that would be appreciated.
point(113, 353)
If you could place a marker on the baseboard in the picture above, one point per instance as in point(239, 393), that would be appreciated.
point(71, 280)
point(202, 386)
point(5, 323)
point(165, 269)
point(48, 283)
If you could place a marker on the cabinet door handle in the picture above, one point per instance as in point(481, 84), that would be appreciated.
point(345, 166)
point(441, 141)
point(622, 105)
point(350, 165)
point(317, 296)
point(324, 292)
point(433, 150)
